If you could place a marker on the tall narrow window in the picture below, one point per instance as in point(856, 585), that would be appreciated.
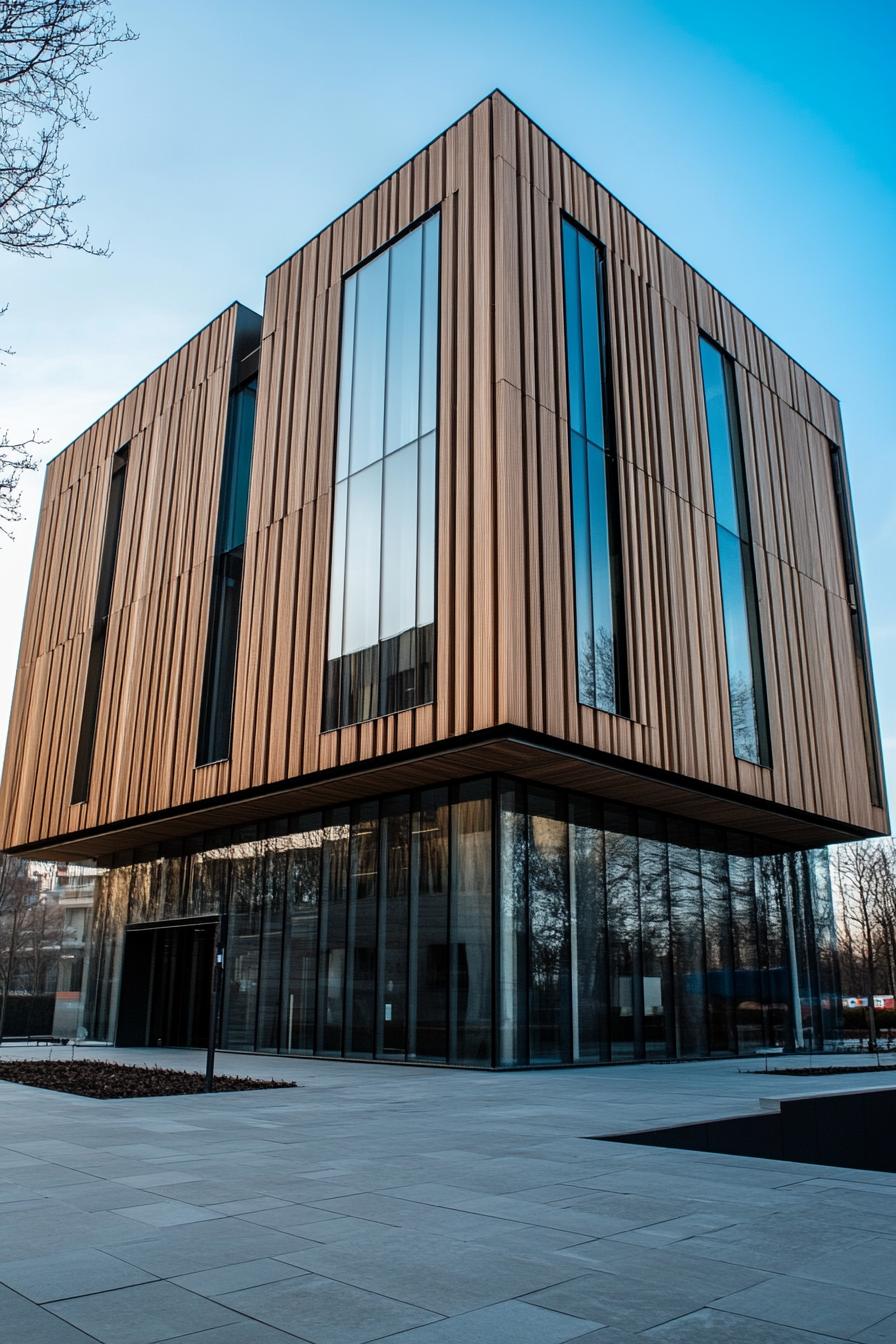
point(746, 680)
point(382, 572)
point(595, 495)
point(96, 656)
point(857, 620)
point(216, 712)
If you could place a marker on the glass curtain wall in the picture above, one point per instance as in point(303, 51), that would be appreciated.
point(746, 679)
point(493, 923)
point(382, 570)
point(595, 507)
point(623, 934)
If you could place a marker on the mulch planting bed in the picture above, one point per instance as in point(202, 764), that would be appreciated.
point(97, 1078)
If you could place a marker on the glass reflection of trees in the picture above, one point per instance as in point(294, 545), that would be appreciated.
point(367, 931)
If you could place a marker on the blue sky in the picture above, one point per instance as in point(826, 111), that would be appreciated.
point(759, 140)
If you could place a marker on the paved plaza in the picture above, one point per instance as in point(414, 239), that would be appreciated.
point(432, 1207)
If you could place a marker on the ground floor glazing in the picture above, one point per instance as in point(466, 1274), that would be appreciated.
point(488, 923)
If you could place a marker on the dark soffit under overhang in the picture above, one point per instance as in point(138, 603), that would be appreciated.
point(506, 750)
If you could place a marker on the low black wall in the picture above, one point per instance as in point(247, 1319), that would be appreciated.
point(847, 1129)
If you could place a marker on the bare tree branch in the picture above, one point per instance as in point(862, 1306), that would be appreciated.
point(48, 50)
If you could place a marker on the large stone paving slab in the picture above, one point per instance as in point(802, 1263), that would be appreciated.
point(719, 1327)
point(327, 1312)
point(68, 1274)
point(435, 1273)
point(827, 1307)
point(609, 1298)
point(144, 1315)
point(506, 1323)
point(194, 1246)
point(25, 1323)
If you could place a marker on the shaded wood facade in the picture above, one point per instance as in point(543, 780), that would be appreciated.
point(505, 683)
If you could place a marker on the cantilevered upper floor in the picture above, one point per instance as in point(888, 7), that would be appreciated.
point(498, 482)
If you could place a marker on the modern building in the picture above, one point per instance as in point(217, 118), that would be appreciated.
point(478, 633)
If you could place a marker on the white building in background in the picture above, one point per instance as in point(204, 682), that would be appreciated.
point(71, 888)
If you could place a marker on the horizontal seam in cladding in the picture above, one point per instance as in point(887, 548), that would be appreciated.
point(165, 586)
point(158, 368)
point(137, 433)
point(751, 372)
point(638, 270)
point(636, 466)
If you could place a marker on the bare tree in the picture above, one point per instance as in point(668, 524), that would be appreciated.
point(15, 460)
point(16, 893)
point(865, 876)
point(886, 908)
point(48, 50)
point(41, 946)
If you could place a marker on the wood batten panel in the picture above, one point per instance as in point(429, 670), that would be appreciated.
point(482, 422)
point(830, 541)
point(513, 576)
point(820, 680)
point(540, 589)
point(285, 617)
point(301, 480)
point(848, 720)
point(799, 489)
point(452, 515)
point(555, 529)
point(454, 639)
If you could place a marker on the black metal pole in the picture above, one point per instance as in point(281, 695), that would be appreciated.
point(214, 1001)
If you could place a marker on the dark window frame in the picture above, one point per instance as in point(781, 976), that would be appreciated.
point(618, 586)
point(222, 628)
point(745, 538)
point(93, 681)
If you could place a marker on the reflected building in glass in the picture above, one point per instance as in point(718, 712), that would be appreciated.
point(471, 648)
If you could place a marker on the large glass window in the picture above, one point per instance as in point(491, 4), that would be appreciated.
point(302, 897)
point(244, 934)
point(656, 937)
point(624, 934)
point(216, 710)
point(746, 680)
point(393, 968)
point(382, 571)
point(590, 932)
point(550, 999)
point(331, 963)
point(595, 508)
point(102, 608)
point(428, 928)
point(470, 962)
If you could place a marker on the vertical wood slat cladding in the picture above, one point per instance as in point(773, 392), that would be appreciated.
point(505, 615)
point(173, 422)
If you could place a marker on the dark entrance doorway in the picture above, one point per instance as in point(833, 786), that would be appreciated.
point(166, 983)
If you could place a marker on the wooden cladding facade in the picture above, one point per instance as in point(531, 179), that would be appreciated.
point(505, 624)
